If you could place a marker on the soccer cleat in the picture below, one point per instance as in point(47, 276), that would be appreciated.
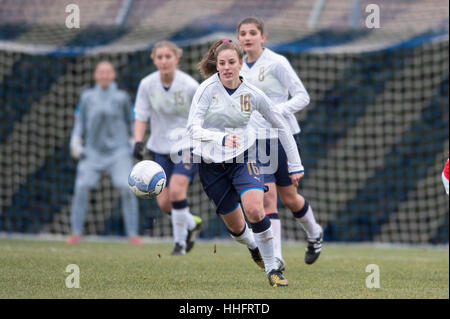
point(256, 256)
point(190, 238)
point(135, 240)
point(281, 264)
point(276, 279)
point(178, 250)
point(74, 239)
point(313, 249)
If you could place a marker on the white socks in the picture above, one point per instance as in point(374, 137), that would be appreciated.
point(182, 220)
point(246, 238)
point(309, 224)
point(264, 240)
point(276, 230)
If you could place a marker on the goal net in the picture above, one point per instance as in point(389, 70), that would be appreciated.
point(374, 138)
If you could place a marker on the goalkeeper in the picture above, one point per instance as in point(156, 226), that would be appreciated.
point(100, 140)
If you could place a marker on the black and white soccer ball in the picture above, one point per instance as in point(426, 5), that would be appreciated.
point(147, 179)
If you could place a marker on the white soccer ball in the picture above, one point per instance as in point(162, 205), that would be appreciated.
point(147, 179)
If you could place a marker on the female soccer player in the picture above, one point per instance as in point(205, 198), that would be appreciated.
point(273, 74)
point(229, 172)
point(164, 97)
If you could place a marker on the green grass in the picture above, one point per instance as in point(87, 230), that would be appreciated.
point(36, 269)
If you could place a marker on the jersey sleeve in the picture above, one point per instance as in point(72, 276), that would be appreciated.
point(199, 106)
point(79, 127)
point(290, 80)
point(274, 116)
point(142, 107)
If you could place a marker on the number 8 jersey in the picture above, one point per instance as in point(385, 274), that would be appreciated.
point(273, 74)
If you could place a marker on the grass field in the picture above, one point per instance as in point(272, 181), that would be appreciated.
point(115, 269)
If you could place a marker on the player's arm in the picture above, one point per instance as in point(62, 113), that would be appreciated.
point(273, 115)
point(290, 80)
point(79, 130)
point(142, 112)
point(199, 106)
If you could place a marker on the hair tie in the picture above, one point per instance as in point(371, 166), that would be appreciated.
point(225, 40)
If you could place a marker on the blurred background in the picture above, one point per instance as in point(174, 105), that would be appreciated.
point(374, 139)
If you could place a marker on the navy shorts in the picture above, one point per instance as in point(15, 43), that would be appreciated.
point(183, 168)
point(224, 183)
point(281, 176)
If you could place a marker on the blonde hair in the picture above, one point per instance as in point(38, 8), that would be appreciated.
point(167, 44)
point(207, 66)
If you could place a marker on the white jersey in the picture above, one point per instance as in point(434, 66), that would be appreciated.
point(215, 113)
point(273, 74)
point(168, 110)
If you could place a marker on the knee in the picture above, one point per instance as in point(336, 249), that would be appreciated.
point(254, 211)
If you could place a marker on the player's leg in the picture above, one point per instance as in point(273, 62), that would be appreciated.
point(271, 209)
point(304, 213)
point(237, 226)
point(182, 176)
point(249, 185)
point(268, 154)
point(166, 205)
point(86, 179)
point(119, 171)
point(184, 221)
point(252, 202)
point(218, 188)
point(299, 207)
point(163, 201)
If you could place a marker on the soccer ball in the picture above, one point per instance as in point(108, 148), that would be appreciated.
point(147, 179)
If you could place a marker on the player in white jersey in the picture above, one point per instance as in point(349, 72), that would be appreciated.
point(224, 146)
point(164, 98)
point(273, 74)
